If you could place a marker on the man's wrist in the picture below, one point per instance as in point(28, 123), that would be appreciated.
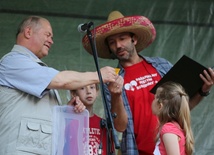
point(203, 93)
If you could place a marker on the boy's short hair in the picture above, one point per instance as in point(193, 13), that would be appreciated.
point(74, 91)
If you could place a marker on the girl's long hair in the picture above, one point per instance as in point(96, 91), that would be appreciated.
point(176, 109)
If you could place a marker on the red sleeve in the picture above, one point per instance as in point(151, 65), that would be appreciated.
point(170, 127)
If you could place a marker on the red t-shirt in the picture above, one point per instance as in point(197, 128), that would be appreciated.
point(139, 79)
point(96, 133)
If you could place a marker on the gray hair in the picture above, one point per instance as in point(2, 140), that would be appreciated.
point(31, 21)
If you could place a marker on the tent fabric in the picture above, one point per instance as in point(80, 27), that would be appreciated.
point(183, 27)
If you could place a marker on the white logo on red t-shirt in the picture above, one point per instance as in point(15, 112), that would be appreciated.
point(140, 82)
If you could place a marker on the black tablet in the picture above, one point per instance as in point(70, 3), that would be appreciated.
point(186, 72)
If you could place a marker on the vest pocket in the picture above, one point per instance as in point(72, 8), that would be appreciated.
point(35, 136)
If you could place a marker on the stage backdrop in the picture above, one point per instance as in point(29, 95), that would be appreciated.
point(183, 27)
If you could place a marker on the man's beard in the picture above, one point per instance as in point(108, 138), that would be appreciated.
point(127, 56)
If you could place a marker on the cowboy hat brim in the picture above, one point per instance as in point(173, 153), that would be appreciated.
point(138, 25)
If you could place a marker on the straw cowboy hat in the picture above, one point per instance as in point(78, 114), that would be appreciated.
point(117, 23)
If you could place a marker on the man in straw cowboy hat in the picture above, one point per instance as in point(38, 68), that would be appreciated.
point(123, 38)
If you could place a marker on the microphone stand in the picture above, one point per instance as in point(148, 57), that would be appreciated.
point(108, 124)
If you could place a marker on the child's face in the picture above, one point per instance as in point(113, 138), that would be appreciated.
point(87, 94)
point(156, 106)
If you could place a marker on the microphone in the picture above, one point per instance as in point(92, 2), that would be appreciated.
point(84, 27)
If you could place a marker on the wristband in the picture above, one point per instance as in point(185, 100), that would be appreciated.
point(203, 93)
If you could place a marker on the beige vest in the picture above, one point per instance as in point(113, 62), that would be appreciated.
point(26, 122)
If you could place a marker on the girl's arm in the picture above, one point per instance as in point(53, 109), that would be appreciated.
point(171, 144)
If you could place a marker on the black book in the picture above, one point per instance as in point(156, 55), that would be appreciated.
point(185, 72)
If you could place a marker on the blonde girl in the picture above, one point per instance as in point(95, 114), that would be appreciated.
point(171, 105)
